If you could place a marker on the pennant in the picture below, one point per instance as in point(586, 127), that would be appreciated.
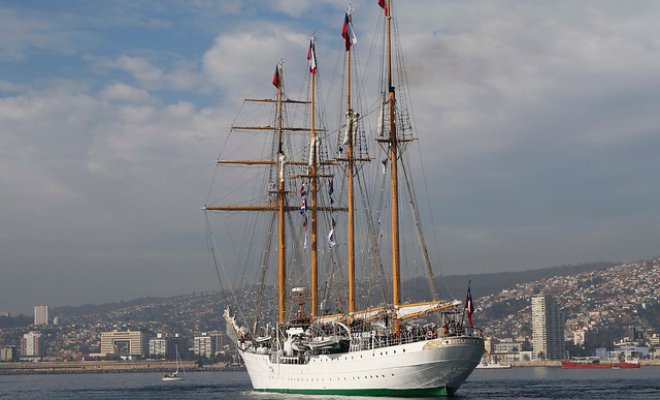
point(331, 190)
point(331, 236)
point(469, 305)
point(303, 192)
point(383, 5)
point(311, 57)
point(303, 207)
point(348, 33)
point(276, 77)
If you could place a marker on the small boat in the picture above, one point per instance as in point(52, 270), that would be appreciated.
point(174, 376)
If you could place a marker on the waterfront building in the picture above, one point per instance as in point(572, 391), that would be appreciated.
point(31, 346)
point(40, 315)
point(547, 328)
point(654, 340)
point(125, 344)
point(7, 353)
point(158, 346)
point(204, 346)
point(165, 347)
point(208, 344)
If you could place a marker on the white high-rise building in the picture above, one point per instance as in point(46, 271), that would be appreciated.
point(40, 315)
point(207, 344)
point(31, 345)
point(547, 328)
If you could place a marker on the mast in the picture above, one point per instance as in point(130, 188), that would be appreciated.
point(313, 172)
point(349, 172)
point(280, 207)
point(281, 260)
point(394, 182)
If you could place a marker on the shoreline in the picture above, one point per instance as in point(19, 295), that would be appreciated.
point(557, 363)
point(96, 367)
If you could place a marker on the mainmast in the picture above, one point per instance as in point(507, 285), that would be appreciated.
point(394, 182)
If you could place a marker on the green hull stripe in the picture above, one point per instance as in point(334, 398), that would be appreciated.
point(431, 392)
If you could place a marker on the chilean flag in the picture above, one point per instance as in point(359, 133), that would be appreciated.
point(276, 77)
point(383, 5)
point(311, 57)
point(347, 32)
point(469, 306)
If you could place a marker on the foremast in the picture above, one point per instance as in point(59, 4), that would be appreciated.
point(281, 205)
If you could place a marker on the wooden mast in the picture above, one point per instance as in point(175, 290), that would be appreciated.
point(313, 184)
point(280, 205)
point(349, 172)
point(281, 192)
point(394, 183)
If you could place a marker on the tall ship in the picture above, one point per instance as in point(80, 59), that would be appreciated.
point(349, 343)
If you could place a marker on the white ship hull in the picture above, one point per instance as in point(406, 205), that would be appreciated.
point(424, 368)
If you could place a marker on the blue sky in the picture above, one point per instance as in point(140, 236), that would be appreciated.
point(540, 122)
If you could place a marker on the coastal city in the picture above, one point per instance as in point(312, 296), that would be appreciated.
point(607, 314)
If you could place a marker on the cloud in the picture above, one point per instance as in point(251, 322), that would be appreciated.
point(537, 126)
point(240, 57)
point(21, 34)
point(126, 93)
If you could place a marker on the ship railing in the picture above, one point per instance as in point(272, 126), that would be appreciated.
point(376, 341)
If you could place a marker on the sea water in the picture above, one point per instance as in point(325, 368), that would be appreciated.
point(514, 384)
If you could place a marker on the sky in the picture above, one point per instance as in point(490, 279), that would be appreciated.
point(540, 121)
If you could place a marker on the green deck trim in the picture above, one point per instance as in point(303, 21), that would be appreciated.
point(431, 392)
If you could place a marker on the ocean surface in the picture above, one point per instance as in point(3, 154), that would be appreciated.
point(515, 383)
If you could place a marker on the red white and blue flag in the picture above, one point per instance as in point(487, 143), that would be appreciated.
point(311, 56)
point(469, 306)
point(348, 33)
